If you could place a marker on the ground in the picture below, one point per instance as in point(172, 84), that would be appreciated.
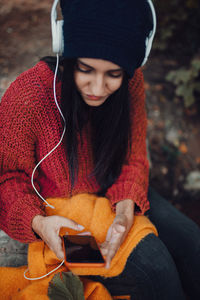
point(173, 131)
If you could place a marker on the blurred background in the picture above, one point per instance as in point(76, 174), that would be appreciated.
point(172, 83)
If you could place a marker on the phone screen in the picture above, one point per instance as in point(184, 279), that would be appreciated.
point(82, 249)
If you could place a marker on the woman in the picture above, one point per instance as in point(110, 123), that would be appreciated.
point(101, 92)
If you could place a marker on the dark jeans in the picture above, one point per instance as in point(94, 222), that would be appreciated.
point(181, 236)
point(159, 268)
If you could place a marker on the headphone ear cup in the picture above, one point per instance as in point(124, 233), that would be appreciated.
point(148, 45)
point(57, 37)
point(56, 30)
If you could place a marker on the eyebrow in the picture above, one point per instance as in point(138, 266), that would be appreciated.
point(113, 70)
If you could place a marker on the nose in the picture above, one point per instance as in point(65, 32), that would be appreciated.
point(98, 85)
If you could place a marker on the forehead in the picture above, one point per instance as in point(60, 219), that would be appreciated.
point(99, 64)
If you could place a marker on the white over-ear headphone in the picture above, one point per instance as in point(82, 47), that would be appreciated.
point(56, 30)
point(149, 39)
point(58, 39)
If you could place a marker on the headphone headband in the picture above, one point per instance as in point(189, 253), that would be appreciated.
point(58, 38)
point(149, 39)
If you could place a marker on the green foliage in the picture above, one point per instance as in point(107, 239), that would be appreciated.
point(178, 29)
point(65, 286)
point(187, 81)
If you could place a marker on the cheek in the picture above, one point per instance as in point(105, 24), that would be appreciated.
point(114, 84)
point(80, 81)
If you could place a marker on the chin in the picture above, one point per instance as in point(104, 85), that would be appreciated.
point(94, 103)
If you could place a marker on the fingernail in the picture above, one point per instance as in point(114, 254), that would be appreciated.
point(107, 266)
point(81, 227)
point(60, 256)
point(85, 233)
point(120, 228)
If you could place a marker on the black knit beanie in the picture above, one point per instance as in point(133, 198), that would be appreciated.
point(113, 30)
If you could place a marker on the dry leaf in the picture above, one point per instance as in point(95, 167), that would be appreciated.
point(158, 87)
point(198, 160)
point(146, 85)
point(183, 148)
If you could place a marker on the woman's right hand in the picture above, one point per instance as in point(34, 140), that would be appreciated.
point(48, 229)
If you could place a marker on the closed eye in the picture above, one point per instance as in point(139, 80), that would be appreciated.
point(81, 67)
point(83, 70)
point(115, 75)
point(109, 74)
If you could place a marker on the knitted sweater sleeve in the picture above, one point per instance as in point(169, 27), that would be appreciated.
point(18, 201)
point(133, 180)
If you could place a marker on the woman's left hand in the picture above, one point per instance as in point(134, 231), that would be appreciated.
point(119, 229)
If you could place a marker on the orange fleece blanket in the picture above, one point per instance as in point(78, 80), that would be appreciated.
point(95, 214)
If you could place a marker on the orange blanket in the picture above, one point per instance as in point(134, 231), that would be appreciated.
point(95, 214)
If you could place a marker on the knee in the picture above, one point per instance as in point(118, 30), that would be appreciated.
point(156, 269)
point(156, 261)
point(179, 233)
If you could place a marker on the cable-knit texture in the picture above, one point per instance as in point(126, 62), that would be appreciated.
point(30, 127)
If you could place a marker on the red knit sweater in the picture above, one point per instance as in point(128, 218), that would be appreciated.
point(30, 127)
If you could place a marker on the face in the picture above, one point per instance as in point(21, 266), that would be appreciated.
point(97, 79)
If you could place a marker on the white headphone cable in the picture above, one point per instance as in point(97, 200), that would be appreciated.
point(55, 98)
point(43, 276)
point(32, 176)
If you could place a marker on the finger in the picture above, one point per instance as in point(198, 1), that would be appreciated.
point(110, 254)
point(60, 254)
point(104, 244)
point(122, 230)
point(104, 251)
point(55, 244)
point(113, 246)
point(107, 264)
point(58, 251)
point(110, 243)
point(64, 222)
point(84, 233)
point(120, 219)
point(109, 234)
point(104, 247)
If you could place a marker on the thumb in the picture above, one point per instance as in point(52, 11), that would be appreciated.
point(56, 246)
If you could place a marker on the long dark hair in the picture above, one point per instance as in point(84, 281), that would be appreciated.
point(110, 128)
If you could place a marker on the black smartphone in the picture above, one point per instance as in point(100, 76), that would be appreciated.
point(82, 250)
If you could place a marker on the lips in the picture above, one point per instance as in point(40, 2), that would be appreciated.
point(91, 97)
